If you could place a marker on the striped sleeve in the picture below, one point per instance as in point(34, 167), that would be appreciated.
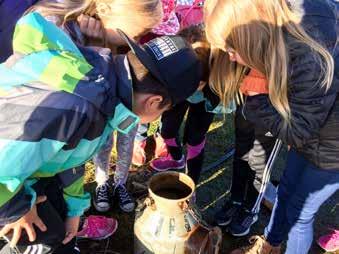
point(13, 205)
point(76, 198)
point(19, 160)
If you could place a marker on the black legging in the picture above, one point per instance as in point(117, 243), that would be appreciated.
point(253, 147)
point(197, 124)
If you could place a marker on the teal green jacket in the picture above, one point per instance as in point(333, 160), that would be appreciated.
point(59, 103)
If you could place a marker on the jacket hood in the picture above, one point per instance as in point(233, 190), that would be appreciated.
point(45, 54)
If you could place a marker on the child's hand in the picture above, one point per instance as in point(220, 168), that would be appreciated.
point(71, 227)
point(91, 27)
point(26, 222)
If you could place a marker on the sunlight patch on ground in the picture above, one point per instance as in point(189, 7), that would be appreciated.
point(211, 178)
point(206, 207)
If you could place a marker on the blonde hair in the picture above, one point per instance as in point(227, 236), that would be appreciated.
point(145, 13)
point(255, 29)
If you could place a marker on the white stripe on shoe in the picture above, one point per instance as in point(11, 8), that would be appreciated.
point(35, 249)
point(40, 248)
point(267, 174)
point(28, 250)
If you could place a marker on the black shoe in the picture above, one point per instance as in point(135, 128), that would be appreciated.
point(101, 199)
point(242, 222)
point(125, 200)
point(227, 212)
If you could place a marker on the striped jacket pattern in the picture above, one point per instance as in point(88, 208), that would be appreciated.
point(59, 103)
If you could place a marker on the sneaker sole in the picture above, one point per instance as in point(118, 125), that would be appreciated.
point(100, 238)
point(327, 250)
point(127, 210)
point(224, 224)
point(138, 164)
point(100, 209)
point(247, 231)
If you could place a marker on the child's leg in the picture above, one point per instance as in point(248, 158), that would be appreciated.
point(101, 162)
point(171, 121)
point(139, 154)
point(197, 125)
point(261, 159)
point(302, 190)
point(101, 199)
point(125, 145)
point(253, 164)
point(256, 151)
point(244, 138)
point(141, 132)
point(270, 195)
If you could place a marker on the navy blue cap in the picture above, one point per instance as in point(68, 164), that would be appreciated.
point(172, 61)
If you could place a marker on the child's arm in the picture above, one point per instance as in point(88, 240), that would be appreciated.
point(25, 222)
point(77, 200)
point(72, 182)
point(19, 160)
point(309, 104)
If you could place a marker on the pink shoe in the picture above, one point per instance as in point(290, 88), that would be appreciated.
point(98, 228)
point(330, 242)
point(160, 147)
point(139, 154)
point(166, 163)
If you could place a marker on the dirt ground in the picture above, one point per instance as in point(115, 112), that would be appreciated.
point(211, 193)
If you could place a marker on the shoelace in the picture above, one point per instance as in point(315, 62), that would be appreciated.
point(102, 192)
point(123, 194)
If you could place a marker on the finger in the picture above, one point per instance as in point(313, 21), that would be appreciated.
point(68, 238)
point(91, 25)
point(40, 199)
point(79, 18)
point(98, 30)
point(39, 223)
point(84, 23)
point(30, 232)
point(4, 231)
point(16, 236)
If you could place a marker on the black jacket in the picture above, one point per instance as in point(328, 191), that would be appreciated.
point(314, 128)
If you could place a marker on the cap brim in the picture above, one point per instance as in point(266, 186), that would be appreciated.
point(143, 57)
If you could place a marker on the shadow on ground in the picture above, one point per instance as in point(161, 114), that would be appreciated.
point(211, 193)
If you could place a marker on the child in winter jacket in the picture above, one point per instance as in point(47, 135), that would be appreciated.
point(60, 102)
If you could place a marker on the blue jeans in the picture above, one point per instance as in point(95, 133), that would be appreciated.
point(302, 190)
